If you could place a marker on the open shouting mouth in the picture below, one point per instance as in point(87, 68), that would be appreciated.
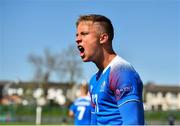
point(81, 50)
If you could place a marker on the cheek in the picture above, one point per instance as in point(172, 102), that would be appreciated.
point(94, 42)
point(94, 46)
point(91, 44)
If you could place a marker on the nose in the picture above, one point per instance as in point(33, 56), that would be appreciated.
point(78, 39)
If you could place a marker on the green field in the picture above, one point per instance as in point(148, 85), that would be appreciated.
point(56, 115)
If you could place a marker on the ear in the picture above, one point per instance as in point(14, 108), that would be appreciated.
point(104, 38)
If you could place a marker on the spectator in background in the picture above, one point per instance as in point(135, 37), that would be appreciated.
point(171, 120)
point(81, 108)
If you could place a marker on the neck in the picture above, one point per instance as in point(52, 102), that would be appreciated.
point(105, 59)
point(83, 95)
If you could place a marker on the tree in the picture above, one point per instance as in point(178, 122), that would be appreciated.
point(37, 62)
point(67, 64)
point(70, 63)
point(44, 66)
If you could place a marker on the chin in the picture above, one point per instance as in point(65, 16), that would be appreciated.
point(85, 59)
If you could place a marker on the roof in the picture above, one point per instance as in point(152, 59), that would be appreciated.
point(32, 84)
point(150, 87)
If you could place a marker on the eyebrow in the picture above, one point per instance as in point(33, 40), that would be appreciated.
point(83, 33)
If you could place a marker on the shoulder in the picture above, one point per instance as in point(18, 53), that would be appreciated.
point(122, 73)
point(93, 80)
point(121, 67)
point(82, 101)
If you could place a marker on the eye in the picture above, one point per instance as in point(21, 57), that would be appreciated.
point(84, 33)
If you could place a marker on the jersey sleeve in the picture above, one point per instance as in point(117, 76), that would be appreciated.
point(125, 84)
point(127, 88)
point(137, 116)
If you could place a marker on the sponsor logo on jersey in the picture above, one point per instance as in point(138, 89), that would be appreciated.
point(120, 92)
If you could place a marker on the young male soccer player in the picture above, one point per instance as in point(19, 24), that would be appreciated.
point(116, 89)
point(81, 108)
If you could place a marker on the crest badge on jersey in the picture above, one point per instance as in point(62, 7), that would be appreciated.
point(103, 85)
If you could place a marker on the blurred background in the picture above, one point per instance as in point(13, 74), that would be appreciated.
point(40, 69)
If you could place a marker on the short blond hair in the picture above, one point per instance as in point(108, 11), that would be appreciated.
point(102, 20)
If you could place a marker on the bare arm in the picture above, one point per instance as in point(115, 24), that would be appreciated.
point(71, 113)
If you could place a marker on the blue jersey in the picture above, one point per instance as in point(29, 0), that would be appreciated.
point(116, 94)
point(82, 111)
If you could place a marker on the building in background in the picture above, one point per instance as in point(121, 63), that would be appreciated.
point(29, 93)
point(156, 97)
point(161, 97)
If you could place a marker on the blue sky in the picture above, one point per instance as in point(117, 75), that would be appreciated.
point(147, 34)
